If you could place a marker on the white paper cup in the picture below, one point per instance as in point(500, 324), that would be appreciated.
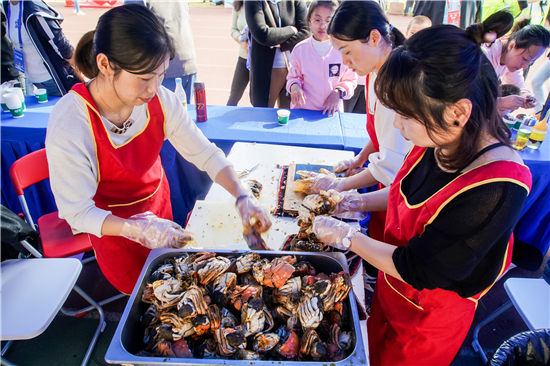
point(21, 96)
point(283, 116)
point(41, 95)
point(14, 104)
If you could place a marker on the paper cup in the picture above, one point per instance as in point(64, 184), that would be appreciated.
point(21, 96)
point(41, 95)
point(4, 105)
point(283, 116)
point(14, 104)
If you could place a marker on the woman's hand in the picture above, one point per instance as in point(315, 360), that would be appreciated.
point(350, 206)
point(153, 232)
point(297, 95)
point(317, 182)
point(511, 102)
point(350, 166)
point(330, 106)
point(530, 102)
point(332, 232)
point(253, 214)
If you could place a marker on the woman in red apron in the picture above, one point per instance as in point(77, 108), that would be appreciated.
point(365, 38)
point(104, 139)
point(452, 207)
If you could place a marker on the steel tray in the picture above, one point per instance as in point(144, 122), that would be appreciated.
point(127, 340)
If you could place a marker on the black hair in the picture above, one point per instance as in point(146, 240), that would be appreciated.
point(520, 24)
point(500, 22)
point(437, 67)
point(509, 89)
point(333, 4)
point(531, 35)
point(355, 20)
point(131, 36)
point(238, 4)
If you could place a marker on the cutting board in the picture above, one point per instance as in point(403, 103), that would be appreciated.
point(293, 199)
point(217, 225)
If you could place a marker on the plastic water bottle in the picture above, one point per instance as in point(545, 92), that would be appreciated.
point(180, 93)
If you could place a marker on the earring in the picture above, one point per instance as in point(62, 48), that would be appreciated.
point(456, 123)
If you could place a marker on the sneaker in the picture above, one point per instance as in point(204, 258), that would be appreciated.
point(79, 13)
point(369, 282)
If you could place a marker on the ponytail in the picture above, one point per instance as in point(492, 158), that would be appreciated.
point(398, 38)
point(498, 23)
point(84, 56)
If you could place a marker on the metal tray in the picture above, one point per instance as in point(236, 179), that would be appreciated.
point(127, 340)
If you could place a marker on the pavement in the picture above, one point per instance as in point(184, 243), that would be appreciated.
point(66, 339)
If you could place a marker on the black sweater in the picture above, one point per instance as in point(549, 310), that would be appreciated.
point(463, 248)
point(266, 34)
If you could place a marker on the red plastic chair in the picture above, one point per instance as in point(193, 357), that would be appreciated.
point(58, 240)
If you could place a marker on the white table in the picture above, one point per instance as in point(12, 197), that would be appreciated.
point(215, 221)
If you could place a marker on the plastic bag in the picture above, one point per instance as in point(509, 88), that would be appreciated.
point(531, 348)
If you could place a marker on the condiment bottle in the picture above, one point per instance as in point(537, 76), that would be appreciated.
point(524, 131)
point(538, 134)
point(180, 93)
point(200, 101)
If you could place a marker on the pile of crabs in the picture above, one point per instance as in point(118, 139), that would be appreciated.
point(246, 308)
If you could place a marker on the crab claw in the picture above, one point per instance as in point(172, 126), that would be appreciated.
point(181, 349)
point(201, 324)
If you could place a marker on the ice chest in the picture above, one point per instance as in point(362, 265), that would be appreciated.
point(128, 338)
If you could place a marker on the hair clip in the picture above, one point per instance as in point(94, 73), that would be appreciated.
point(391, 27)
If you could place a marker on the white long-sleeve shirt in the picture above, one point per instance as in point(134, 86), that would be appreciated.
point(493, 53)
point(385, 164)
point(72, 156)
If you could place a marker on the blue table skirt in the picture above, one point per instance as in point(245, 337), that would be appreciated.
point(533, 227)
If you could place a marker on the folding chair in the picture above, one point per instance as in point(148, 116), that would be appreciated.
point(58, 240)
point(47, 283)
point(530, 297)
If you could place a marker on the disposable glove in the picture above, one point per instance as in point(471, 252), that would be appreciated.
point(332, 232)
point(153, 232)
point(350, 205)
point(253, 214)
point(313, 182)
point(350, 166)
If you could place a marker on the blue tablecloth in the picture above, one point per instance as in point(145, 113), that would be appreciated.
point(533, 227)
point(225, 126)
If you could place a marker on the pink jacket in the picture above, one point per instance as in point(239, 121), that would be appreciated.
point(318, 76)
point(493, 53)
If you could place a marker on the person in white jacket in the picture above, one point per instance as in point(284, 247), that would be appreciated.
point(318, 79)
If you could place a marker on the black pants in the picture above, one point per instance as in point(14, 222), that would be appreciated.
point(240, 81)
point(357, 103)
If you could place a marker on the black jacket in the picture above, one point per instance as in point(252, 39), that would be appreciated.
point(9, 72)
point(266, 34)
point(43, 25)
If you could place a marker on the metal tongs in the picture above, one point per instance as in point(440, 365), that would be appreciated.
point(310, 209)
point(247, 171)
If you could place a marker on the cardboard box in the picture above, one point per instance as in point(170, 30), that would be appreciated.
point(396, 8)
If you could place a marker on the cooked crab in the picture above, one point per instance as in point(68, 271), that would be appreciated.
point(255, 186)
point(230, 340)
point(174, 328)
point(178, 349)
point(289, 294)
point(289, 346)
point(167, 292)
point(317, 204)
point(164, 272)
point(192, 303)
point(311, 345)
point(210, 268)
point(151, 316)
point(214, 315)
point(344, 340)
point(245, 262)
point(265, 342)
point(278, 272)
point(243, 354)
point(339, 289)
point(207, 349)
point(242, 294)
point(222, 286)
point(310, 311)
point(303, 268)
point(253, 316)
point(258, 270)
point(228, 319)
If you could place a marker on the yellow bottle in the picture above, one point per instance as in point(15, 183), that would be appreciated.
point(538, 134)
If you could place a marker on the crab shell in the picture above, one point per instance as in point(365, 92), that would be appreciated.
point(242, 294)
point(245, 262)
point(258, 270)
point(215, 317)
point(243, 354)
point(253, 316)
point(335, 354)
point(230, 340)
point(311, 345)
point(290, 347)
point(211, 268)
point(180, 328)
point(265, 342)
point(201, 324)
point(344, 340)
point(192, 303)
point(228, 319)
point(277, 273)
point(167, 292)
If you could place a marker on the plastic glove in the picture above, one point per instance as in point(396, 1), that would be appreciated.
point(331, 231)
point(153, 232)
point(350, 205)
point(313, 182)
point(350, 166)
point(253, 214)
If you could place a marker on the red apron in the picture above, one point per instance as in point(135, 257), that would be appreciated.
point(377, 218)
point(410, 327)
point(131, 180)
